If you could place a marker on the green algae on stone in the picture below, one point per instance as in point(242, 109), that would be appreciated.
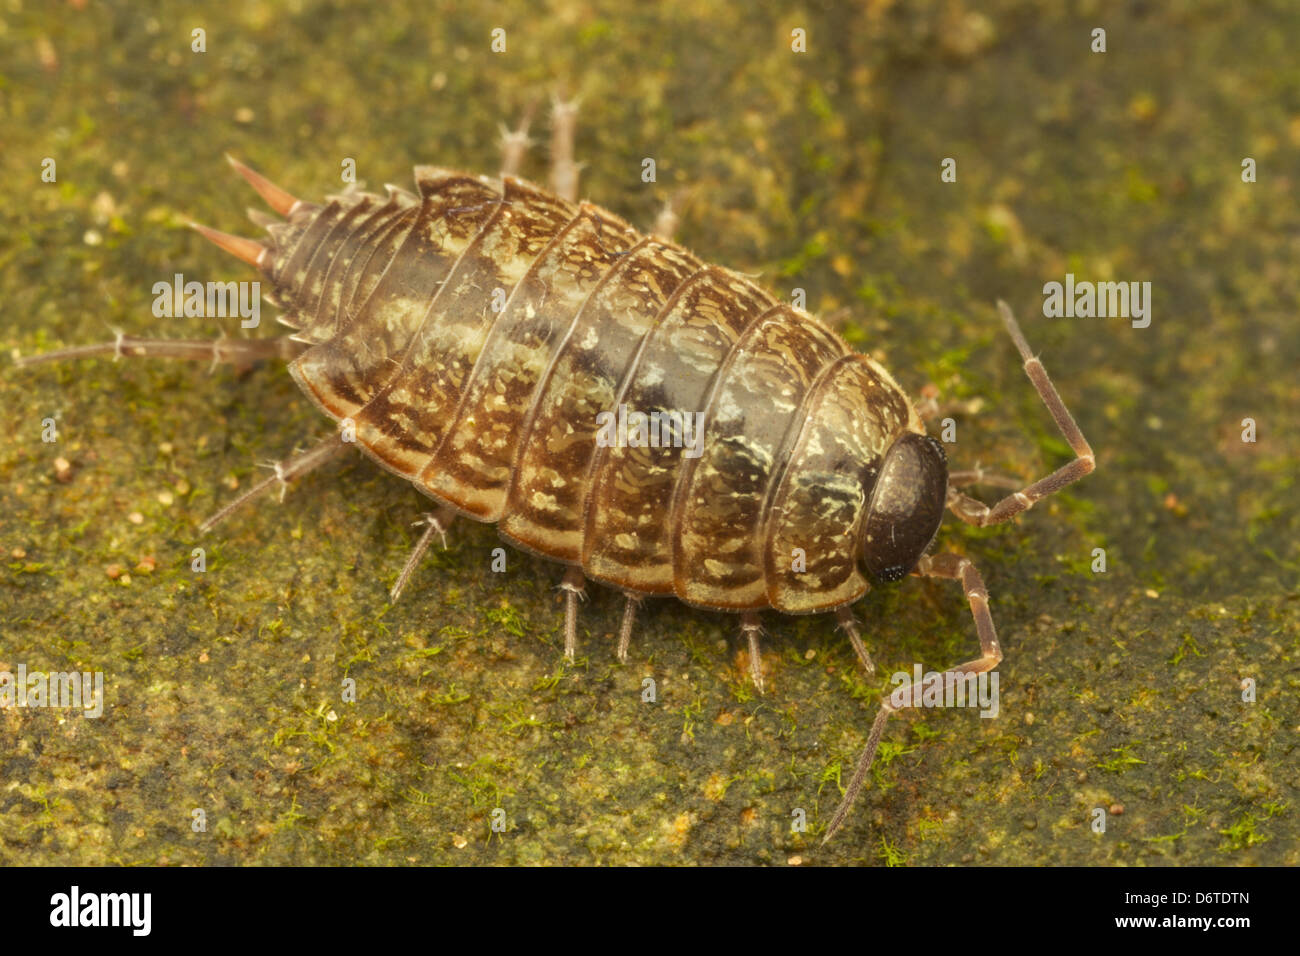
point(1120, 690)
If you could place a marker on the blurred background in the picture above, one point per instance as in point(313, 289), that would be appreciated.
point(818, 170)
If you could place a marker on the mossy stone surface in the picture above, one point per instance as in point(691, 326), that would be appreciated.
point(1120, 690)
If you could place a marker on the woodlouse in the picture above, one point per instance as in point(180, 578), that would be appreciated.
point(469, 337)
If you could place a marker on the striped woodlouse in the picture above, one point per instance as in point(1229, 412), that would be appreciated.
point(469, 337)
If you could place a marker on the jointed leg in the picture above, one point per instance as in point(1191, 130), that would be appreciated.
point(978, 476)
point(564, 171)
point(573, 586)
point(514, 145)
point(849, 624)
point(436, 522)
point(625, 630)
point(282, 473)
point(752, 628)
point(978, 513)
point(217, 351)
point(940, 566)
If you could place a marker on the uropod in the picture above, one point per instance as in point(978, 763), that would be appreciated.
point(481, 337)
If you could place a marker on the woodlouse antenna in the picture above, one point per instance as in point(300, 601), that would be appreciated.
point(246, 250)
point(278, 199)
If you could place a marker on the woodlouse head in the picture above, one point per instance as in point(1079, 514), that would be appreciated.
point(906, 507)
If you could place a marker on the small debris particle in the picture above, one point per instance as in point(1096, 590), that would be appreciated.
point(244, 115)
point(795, 861)
point(114, 571)
point(1029, 718)
point(165, 497)
point(62, 470)
point(1152, 593)
point(165, 448)
point(92, 237)
point(18, 553)
point(458, 841)
point(147, 564)
point(809, 654)
point(1117, 809)
point(203, 657)
point(135, 518)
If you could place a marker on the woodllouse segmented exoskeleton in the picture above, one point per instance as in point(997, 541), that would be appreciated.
point(469, 337)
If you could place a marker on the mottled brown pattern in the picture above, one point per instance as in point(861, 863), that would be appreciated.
point(345, 373)
point(495, 410)
point(471, 468)
point(329, 253)
point(552, 471)
point(628, 538)
point(301, 242)
point(353, 253)
point(853, 413)
point(404, 424)
point(718, 506)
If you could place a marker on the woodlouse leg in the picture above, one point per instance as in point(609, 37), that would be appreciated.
point(218, 351)
point(978, 476)
point(436, 522)
point(956, 567)
point(564, 171)
point(976, 512)
point(752, 628)
point(666, 222)
point(282, 474)
point(929, 407)
point(849, 624)
point(573, 586)
point(625, 630)
point(514, 145)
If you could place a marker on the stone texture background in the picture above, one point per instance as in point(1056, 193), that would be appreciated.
point(820, 171)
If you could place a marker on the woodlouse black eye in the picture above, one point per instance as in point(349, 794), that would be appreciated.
point(906, 506)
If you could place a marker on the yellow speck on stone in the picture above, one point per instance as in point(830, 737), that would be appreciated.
point(809, 654)
point(458, 841)
point(135, 518)
point(1152, 593)
point(795, 860)
point(165, 498)
point(715, 788)
point(679, 830)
